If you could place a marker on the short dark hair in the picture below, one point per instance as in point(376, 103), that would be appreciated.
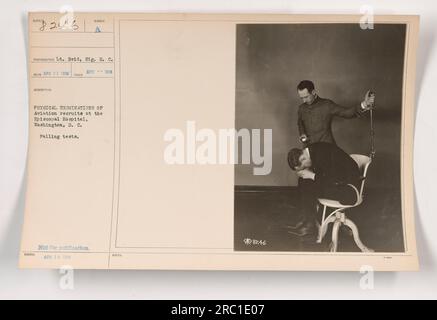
point(293, 158)
point(306, 84)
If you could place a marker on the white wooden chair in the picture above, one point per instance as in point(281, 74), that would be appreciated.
point(338, 215)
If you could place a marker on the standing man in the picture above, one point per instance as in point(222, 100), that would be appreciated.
point(315, 113)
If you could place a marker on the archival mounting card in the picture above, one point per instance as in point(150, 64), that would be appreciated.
point(162, 141)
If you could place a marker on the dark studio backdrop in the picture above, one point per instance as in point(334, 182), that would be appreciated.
point(343, 61)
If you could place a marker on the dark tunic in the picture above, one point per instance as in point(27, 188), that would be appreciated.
point(333, 169)
point(315, 120)
point(332, 165)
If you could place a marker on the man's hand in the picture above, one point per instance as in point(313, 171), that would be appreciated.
point(369, 101)
point(303, 138)
point(306, 174)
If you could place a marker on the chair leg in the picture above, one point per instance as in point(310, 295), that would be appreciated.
point(324, 214)
point(356, 235)
point(324, 228)
point(335, 229)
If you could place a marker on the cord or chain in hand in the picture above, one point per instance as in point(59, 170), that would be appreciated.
point(372, 133)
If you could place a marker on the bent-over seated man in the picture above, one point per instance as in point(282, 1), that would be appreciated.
point(324, 171)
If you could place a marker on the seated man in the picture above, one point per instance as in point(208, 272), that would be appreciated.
point(324, 171)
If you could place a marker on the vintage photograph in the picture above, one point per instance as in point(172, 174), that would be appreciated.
point(332, 96)
point(221, 142)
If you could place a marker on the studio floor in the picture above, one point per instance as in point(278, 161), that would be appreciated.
point(262, 215)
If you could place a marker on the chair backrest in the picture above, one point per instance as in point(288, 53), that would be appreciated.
point(363, 163)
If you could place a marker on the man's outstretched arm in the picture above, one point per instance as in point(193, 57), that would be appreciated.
point(345, 112)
